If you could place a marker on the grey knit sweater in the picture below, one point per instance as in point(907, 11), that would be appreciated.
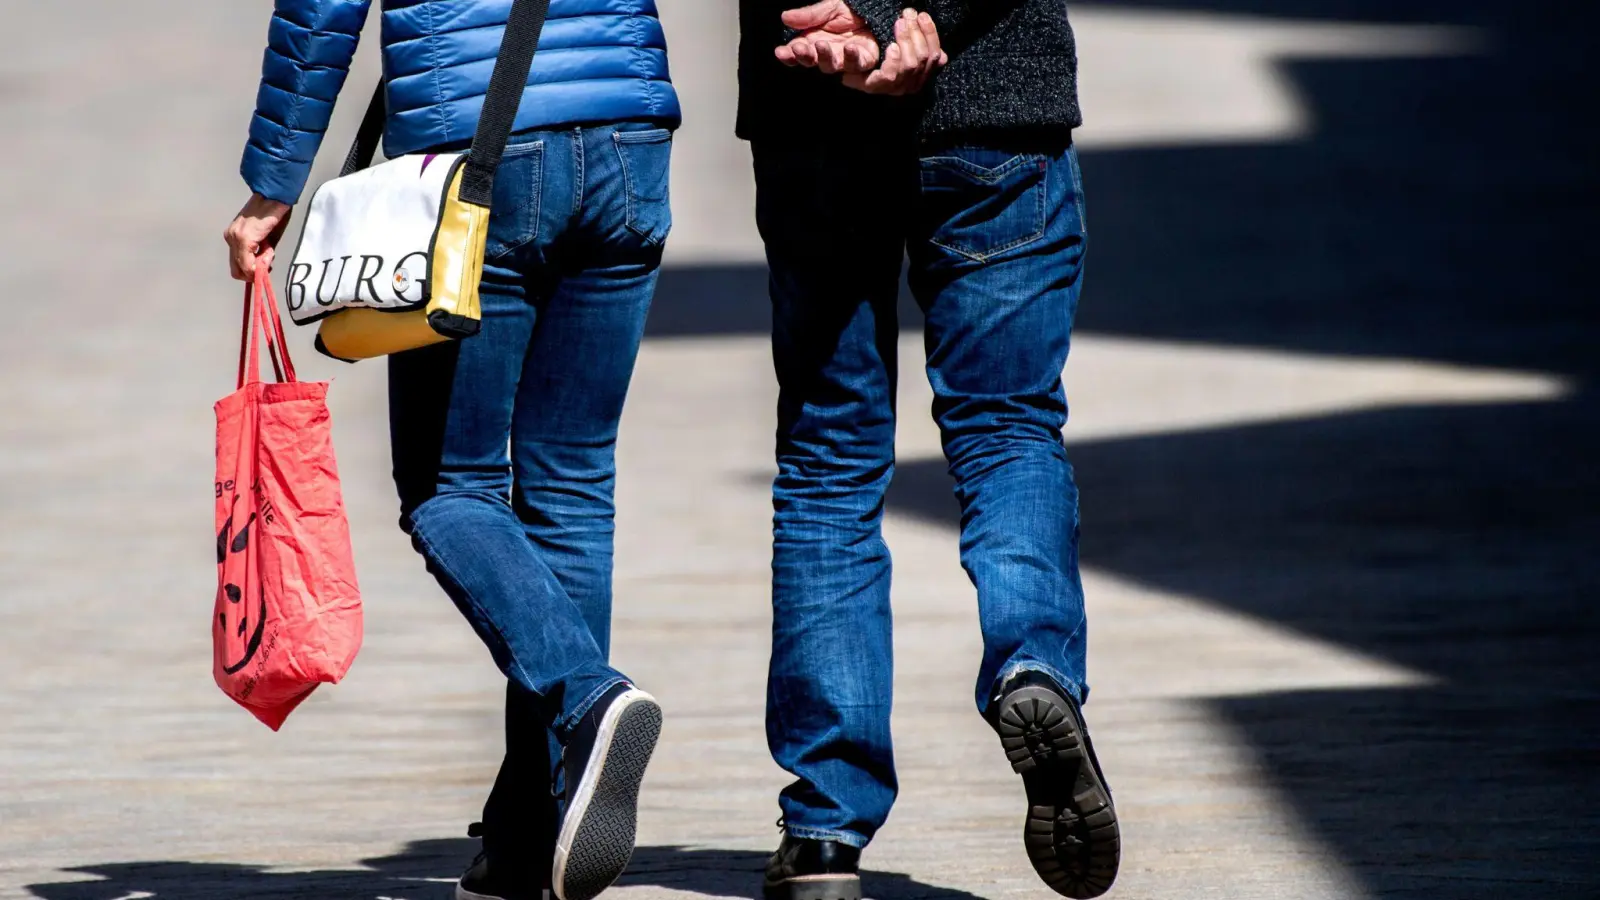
point(1013, 68)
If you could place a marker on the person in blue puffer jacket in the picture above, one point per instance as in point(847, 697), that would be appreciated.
point(504, 443)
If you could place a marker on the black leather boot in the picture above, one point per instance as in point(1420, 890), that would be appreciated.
point(805, 869)
point(1071, 833)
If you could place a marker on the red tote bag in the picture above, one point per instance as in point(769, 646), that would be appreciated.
point(288, 611)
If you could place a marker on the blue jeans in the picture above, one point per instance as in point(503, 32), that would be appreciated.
point(504, 443)
point(995, 239)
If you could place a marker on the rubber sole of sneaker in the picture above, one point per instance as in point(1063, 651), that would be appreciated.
point(815, 887)
point(1071, 834)
point(597, 836)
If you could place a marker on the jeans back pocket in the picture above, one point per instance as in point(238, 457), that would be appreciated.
point(646, 158)
point(980, 203)
point(518, 186)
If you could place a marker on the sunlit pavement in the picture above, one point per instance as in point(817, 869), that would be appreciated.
point(1301, 635)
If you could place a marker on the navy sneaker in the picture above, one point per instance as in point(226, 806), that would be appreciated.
point(1071, 834)
point(603, 764)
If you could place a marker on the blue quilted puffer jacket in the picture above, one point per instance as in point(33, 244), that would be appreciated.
point(598, 61)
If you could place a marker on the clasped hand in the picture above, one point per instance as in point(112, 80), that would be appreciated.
point(837, 41)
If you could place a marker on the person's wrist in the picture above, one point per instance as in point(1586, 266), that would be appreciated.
point(263, 207)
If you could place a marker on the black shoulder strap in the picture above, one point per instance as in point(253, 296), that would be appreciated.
point(500, 105)
point(367, 136)
point(504, 96)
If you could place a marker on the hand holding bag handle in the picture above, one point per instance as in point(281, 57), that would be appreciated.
point(456, 261)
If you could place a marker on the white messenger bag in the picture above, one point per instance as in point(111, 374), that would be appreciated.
point(391, 256)
point(368, 238)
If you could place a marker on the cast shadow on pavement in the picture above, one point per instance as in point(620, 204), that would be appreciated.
point(426, 870)
point(1455, 543)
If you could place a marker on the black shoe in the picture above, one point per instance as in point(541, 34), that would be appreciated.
point(603, 764)
point(1071, 836)
point(804, 869)
point(480, 883)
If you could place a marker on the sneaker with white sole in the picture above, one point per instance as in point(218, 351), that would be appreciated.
point(603, 765)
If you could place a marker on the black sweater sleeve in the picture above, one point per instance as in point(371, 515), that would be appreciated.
point(962, 22)
point(880, 16)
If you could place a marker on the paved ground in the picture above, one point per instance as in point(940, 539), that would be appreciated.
point(1334, 415)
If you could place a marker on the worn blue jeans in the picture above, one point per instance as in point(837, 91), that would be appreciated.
point(995, 238)
point(504, 443)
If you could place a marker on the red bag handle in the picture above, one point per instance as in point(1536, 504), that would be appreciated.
point(279, 344)
point(261, 315)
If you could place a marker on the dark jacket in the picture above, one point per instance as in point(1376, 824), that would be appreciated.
point(598, 61)
point(1013, 68)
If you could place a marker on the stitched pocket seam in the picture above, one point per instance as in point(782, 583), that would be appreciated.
point(535, 203)
point(631, 197)
point(1041, 190)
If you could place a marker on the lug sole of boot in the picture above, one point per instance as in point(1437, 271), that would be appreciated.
point(1071, 834)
